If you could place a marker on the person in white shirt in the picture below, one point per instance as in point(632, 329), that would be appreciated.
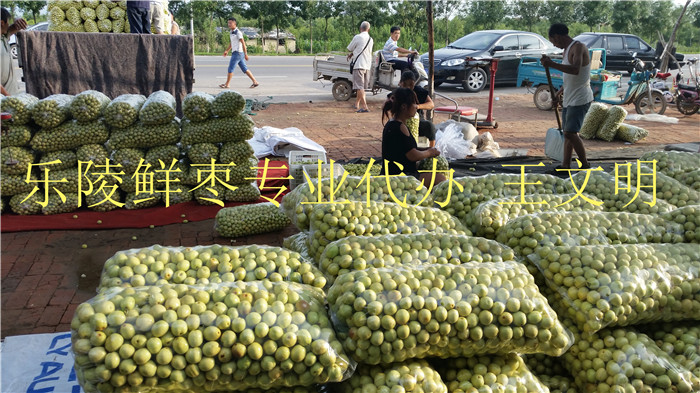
point(576, 66)
point(361, 52)
point(8, 82)
point(392, 46)
point(239, 55)
point(158, 16)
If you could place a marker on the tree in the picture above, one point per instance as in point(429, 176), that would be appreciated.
point(595, 14)
point(32, 6)
point(560, 11)
point(527, 13)
point(446, 10)
point(658, 18)
point(627, 15)
point(487, 14)
point(410, 16)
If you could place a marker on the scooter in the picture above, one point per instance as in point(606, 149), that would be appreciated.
point(645, 98)
point(688, 96)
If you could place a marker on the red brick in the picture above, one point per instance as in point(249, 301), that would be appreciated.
point(51, 280)
point(41, 266)
point(43, 329)
point(64, 327)
point(15, 300)
point(9, 284)
point(51, 316)
point(62, 297)
point(68, 314)
point(39, 299)
point(28, 283)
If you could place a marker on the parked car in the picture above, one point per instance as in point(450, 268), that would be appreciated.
point(466, 61)
point(42, 26)
point(621, 47)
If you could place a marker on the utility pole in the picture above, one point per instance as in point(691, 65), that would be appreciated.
point(431, 55)
point(667, 49)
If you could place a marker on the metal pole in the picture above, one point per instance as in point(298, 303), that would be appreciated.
point(192, 25)
point(431, 55)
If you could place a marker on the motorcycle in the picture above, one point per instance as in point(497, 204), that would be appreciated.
point(687, 95)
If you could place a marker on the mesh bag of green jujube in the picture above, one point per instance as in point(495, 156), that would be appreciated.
point(595, 117)
point(299, 202)
point(158, 265)
point(558, 383)
point(625, 360)
point(361, 169)
point(246, 220)
point(527, 234)
point(673, 162)
point(681, 341)
point(92, 4)
point(53, 110)
point(489, 217)
point(104, 25)
point(412, 124)
point(159, 108)
point(616, 115)
point(57, 205)
point(248, 192)
point(332, 221)
point(446, 311)
point(22, 205)
point(15, 160)
point(87, 13)
point(228, 104)
point(542, 364)
point(166, 154)
point(120, 26)
point(90, 26)
point(488, 374)
point(203, 337)
point(73, 16)
point(197, 106)
point(67, 159)
point(689, 218)
point(360, 252)
point(16, 184)
point(180, 197)
point(142, 200)
point(297, 242)
point(104, 200)
point(117, 13)
point(217, 130)
point(123, 111)
point(203, 153)
point(235, 152)
point(210, 195)
point(484, 188)
point(616, 195)
point(56, 16)
point(630, 133)
point(71, 176)
point(667, 188)
point(625, 284)
point(410, 376)
point(96, 154)
point(89, 105)
point(128, 158)
point(102, 12)
point(70, 135)
point(690, 178)
point(144, 136)
point(427, 164)
point(20, 106)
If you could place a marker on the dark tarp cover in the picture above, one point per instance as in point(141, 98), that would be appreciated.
point(114, 64)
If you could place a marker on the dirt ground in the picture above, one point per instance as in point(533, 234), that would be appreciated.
point(347, 135)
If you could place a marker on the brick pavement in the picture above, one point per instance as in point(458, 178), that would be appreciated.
point(46, 274)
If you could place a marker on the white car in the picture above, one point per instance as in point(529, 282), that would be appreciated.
point(42, 26)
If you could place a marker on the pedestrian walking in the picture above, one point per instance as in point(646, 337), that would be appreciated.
point(239, 55)
point(361, 52)
point(139, 15)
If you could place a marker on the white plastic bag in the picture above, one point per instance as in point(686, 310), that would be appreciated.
point(452, 145)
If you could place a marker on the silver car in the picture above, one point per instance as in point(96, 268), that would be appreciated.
point(42, 26)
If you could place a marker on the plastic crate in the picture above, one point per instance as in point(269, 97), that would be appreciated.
point(604, 90)
point(297, 158)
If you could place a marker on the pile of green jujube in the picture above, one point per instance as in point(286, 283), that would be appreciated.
point(621, 285)
point(332, 221)
point(426, 248)
point(297, 242)
point(223, 337)
point(95, 16)
point(300, 201)
point(158, 265)
point(689, 218)
point(248, 220)
point(681, 341)
point(672, 163)
point(392, 314)
point(488, 374)
point(667, 188)
point(475, 190)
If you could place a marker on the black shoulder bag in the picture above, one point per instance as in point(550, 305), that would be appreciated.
point(352, 63)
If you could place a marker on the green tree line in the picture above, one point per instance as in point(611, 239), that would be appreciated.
point(322, 26)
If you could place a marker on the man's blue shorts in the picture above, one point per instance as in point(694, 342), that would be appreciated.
point(572, 117)
point(237, 58)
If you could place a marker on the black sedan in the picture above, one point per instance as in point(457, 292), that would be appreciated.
point(466, 61)
point(620, 48)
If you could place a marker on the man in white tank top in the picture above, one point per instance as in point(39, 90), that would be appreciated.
point(576, 90)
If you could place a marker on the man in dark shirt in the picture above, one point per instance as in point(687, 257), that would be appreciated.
point(139, 14)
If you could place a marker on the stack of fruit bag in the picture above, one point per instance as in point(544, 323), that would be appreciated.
point(215, 130)
point(94, 16)
point(210, 318)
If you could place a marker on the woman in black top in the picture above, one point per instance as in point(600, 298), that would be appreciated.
point(399, 148)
